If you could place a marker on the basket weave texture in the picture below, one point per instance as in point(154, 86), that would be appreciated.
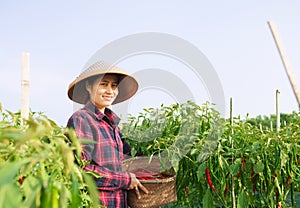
point(161, 190)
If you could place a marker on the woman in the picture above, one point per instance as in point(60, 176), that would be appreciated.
point(98, 87)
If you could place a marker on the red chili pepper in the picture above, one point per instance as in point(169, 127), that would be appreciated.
point(288, 182)
point(254, 188)
point(243, 163)
point(209, 181)
point(226, 190)
point(239, 174)
point(21, 180)
point(227, 187)
point(243, 167)
point(186, 191)
point(273, 177)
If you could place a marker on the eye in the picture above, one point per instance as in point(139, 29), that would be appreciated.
point(103, 83)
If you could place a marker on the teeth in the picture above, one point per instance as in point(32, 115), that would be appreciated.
point(108, 98)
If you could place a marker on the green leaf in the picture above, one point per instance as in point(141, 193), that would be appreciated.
point(234, 169)
point(208, 199)
point(194, 151)
point(201, 171)
point(259, 167)
point(92, 189)
point(64, 194)
point(87, 141)
point(222, 162)
point(75, 200)
point(133, 151)
point(32, 188)
point(8, 172)
point(94, 174)
point(11, 133)
point(10, 196)
point(242, 200)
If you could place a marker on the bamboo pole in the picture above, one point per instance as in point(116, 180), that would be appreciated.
point(25, 86)
point(285, 62)
point(271, 126)
point(277, 111)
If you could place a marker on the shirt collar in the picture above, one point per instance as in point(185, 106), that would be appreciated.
point(112, 117)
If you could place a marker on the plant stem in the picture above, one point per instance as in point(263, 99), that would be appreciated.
point(232, 178)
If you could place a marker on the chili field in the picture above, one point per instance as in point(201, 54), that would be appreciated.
point(219, 162)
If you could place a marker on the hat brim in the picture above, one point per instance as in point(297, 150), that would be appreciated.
point(127, 86)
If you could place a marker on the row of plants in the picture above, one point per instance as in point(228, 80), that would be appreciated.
point(221, 162)
point(37, 165)
point(218, 163)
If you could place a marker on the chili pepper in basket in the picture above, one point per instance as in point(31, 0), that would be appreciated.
point(209, 181)
point(144, 174)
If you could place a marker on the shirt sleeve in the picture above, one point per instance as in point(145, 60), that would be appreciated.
point(126, 147)
point(108, 179)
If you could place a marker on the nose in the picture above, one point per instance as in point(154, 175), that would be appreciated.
point(110, 89)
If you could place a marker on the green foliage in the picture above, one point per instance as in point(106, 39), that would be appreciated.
point(37, 165)
point(249, 166)
point(269, 122)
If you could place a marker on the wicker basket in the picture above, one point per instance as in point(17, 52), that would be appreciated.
point(161, 191)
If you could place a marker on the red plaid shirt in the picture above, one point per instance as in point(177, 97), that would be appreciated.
point(106, 156)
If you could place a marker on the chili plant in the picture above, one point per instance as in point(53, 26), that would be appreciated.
point(219, 163)
point(186, 134)
point(37, 165)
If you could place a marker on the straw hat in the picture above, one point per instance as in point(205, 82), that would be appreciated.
point(127, 86)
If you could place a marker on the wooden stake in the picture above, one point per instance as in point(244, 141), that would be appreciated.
point(271, 126)
point(285, 62)
point(25, 86)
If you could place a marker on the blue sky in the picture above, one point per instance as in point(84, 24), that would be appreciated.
point(61, 36)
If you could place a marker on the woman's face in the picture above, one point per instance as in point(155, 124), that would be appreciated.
point(103, 91)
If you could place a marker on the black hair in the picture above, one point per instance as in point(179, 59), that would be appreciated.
point(91, 80)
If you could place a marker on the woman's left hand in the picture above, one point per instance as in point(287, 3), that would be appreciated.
point(136, 185)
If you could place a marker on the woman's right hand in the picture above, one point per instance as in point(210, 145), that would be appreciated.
point(136, 184)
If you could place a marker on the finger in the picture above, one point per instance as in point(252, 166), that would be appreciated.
point(130, 187)
point(143, 188)
point(137, 192)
